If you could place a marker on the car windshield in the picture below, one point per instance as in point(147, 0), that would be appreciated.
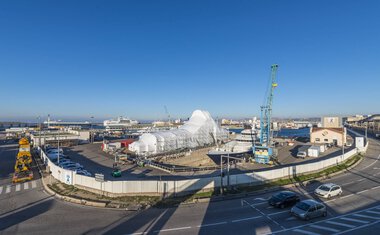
point(324, 188)
point(303, 206)
point(280, 196)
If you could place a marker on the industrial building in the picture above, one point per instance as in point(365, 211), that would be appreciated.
point(66, 137)
point(200, 130)
point(331, 132)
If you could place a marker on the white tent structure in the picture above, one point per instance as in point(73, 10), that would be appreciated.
point(200, 130)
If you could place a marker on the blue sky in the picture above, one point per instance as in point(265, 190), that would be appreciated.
point(107, 58)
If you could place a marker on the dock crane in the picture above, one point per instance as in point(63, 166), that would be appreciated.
point(167, 113)
point(264, 152)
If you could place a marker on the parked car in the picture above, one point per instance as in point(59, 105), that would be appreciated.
point(83, 172)
point(70, 165)
point(283, 199)
point(54, 151)
point(308, 209)
point(328, 190)
point(301, 154)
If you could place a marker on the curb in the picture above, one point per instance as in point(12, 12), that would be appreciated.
point(71, 199)
point(271, 189)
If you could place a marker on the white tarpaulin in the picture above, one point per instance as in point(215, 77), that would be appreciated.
point(200, 130)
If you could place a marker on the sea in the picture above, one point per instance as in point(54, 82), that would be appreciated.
point(302, 132)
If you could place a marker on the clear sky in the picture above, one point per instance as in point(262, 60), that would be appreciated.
point(108, 58)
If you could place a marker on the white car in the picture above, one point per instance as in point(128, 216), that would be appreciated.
point(328, 190)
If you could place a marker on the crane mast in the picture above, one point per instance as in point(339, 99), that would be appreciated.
point(264, 152)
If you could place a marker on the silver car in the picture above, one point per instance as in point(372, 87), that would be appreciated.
point(328, 190)
point(308, 209)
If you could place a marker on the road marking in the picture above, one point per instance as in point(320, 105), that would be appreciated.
point(214, 224)
point(262, 213)
point(34, 184)
point(349, 195)
point(360, 180)
point(26, 207)
point(280, 212)
point(373, 212)
point(8, 189)
point(372, 163)
point(244, 219)
point(171, 229)
point(325, 228)
point(341, 224)
point(26, 185)
point(366, 216)
point(354, 220)
point(305, 232)
point(362, 191)
point(360, 227)
point(18, 187)
point(291, 218)
point(1, 189)
point(376, 187)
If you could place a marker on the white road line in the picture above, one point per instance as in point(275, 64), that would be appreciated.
point(354, 220)
point(376, 187)
point(341, 224)
point(366, 216)
point(8, 189)
point(371, 163)
point(18, 187)
point(325, 228)
point(305, 232)
point(374, 212)
point(1, 189)
point(349, 195)
point(26, 185)
point(362, 191)
point(360, 227)
point(244, 219)
point(360, 180)
point(34, 184)
point(171, 229)
point(214, 224)
point(280, 212)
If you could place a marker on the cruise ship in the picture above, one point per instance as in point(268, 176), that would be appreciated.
point(120, 124)
point(241, 145)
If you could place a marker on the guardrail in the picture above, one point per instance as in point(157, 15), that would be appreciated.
point(166, 187)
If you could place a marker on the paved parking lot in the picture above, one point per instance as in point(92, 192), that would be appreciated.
point(95, 160)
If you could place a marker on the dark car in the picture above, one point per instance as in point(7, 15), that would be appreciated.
point(283, 199)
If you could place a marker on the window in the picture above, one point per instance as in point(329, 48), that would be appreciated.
point(326, 140)
point(319, 207)
point(317, 139)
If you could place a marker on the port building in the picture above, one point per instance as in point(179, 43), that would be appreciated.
point(331, 132)
point(200, 130)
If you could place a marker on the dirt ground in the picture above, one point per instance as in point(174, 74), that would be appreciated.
point(197, 158)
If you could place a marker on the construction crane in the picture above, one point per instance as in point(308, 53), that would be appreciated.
point(264, 152)
point(167, 113)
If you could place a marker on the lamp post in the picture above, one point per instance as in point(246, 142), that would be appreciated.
point(39, 123)
point(91, 133)
point(58, 147)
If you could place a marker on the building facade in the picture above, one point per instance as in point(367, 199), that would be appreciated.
point(327, 135)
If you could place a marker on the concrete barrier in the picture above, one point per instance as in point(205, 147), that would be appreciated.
point(179, 187)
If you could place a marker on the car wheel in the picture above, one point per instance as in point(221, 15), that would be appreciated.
point(340, 193)
point(325, 214)
point(282, 206)
point(328, 196)
point(307, 218)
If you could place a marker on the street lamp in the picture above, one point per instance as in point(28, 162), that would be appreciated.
point(91, 133)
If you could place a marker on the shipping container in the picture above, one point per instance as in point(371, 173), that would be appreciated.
point(313, 151)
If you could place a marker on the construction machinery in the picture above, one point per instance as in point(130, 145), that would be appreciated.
point(23, 161)
point(263, 151)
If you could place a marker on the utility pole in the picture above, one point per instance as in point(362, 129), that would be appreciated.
point(58, 147)
point(221, 175)
point(39, 122)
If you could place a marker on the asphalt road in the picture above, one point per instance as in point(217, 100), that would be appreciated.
point(357, 210)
